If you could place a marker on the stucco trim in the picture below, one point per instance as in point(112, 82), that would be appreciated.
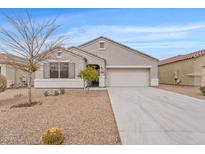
point(194, 74)
point(58, 83)
point(154, 82)
point(146, 66)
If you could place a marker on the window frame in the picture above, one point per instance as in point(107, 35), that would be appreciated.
point(59, 70)
point(50, 66)
point(100, 46)
point(59, 75)
point(59, 54)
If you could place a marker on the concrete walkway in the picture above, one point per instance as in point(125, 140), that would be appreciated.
point(155, 116)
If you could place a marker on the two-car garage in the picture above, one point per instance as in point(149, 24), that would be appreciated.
point(128, 77)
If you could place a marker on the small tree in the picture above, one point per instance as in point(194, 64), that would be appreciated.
point(28, 38)
point(88, 75)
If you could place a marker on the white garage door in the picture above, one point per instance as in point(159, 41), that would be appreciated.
point(127, 77)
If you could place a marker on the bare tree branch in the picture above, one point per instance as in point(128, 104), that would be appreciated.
point(29, 39)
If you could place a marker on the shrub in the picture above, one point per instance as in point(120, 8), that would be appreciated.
point(202, 89)
point(62, 91)
point(52, 136)
point(56, 93)
point(3, 83)
point(18, 95)
point(45, 93)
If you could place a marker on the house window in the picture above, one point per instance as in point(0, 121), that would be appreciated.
point(62, 70)
point(54, 70)
point(102, 45)
point(59, 54)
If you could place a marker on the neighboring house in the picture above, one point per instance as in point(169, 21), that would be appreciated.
point(186, 69)
point(15, 77)
point(118, 66)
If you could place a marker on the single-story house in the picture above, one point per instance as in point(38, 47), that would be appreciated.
point(186, 69)
point(15, 77)
point(118, 66)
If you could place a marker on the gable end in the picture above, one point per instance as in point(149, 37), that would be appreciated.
point(119, 44)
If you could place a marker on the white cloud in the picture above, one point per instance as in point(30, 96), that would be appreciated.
point(140, 29)
point(132, 33)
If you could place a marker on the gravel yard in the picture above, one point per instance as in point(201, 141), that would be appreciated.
point(186, 90)
point(83, 118)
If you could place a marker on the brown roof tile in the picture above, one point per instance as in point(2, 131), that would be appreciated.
point(182, 57)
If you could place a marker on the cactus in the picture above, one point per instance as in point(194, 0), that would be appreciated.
point(3, 83)
point(62, 91)
point(53, 136)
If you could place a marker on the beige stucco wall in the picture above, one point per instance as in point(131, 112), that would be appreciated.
point(69, 57)
point(23, 76)
point(203, 77)
point(65, 57)
point(189, 72)
point(117, 55)
point(9, 73)
point(183, 68)
point(12, 75)
point(72, 55)
point(199, 70)
point(91, 59)
point(3, 69)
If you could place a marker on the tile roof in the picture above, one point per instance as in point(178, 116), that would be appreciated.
point(183, 57)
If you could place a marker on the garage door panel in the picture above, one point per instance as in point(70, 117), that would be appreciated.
point(127, 77)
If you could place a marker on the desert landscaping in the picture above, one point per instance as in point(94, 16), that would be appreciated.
point(84, 118)
point(185, 90)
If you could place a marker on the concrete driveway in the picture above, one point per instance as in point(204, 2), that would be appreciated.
point(155, 116)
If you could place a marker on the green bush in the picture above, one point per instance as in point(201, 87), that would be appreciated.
point(18, 95)
point(45, 93)
point(53, 136)
point(202, 89)
point(56, 93)
point(62, 91)
point(3, 83)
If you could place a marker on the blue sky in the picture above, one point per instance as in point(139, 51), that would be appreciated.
point(158, 32)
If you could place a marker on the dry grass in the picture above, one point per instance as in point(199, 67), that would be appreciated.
point(84, 118)
point(186, 90)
